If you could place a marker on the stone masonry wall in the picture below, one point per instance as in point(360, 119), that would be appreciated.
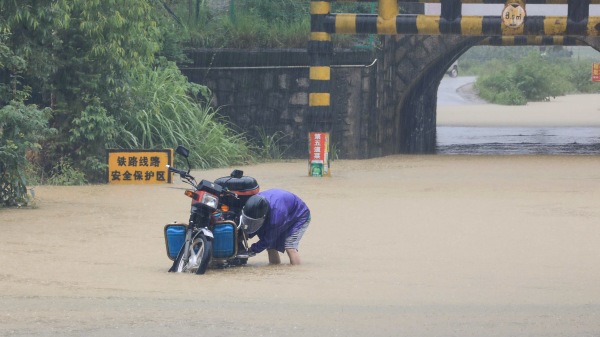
point(383, 103)
point(267, 93)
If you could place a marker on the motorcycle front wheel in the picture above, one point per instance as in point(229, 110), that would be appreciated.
point(180, 263)
point(196, 258)
point(201, 251)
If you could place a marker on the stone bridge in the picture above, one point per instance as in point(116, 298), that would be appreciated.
point(374, 103)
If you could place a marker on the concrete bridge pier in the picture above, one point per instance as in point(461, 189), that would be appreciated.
point(593, 42)
point(418, 118)
point(409, 74)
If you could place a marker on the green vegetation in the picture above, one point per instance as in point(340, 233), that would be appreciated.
point(167, 113)
point(517, 75)
point(248, 24)
point(80, 76)
point(22, 129)
point(270, 146)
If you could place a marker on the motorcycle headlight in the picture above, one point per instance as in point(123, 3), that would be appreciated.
point(210, 200)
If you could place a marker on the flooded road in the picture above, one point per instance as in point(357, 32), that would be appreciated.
point(405, 245)
point(419, 246)
point(518, 140)
point(519, 132)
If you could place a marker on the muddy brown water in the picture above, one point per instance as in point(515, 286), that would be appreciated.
point(398, 246)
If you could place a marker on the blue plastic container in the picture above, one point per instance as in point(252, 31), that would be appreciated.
point(223, 244)
point(174, 239)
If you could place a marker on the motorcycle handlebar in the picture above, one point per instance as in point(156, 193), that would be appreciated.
point(182, 173)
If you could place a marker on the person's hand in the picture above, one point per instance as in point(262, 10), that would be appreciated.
point(248, 253)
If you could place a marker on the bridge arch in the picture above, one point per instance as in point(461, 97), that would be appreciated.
point(417, 50)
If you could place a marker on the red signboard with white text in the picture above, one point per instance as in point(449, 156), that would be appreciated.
point(596, 72)
point(318, 164)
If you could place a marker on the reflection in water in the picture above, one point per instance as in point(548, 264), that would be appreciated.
point(518, 140)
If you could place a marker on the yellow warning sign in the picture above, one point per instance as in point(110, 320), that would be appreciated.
point(513, 15)
point(139, 166)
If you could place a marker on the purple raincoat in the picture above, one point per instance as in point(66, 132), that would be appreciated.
point(287, 213)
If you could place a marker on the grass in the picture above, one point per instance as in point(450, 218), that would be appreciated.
point(173, 117)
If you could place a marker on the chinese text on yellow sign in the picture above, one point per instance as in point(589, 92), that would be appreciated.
point(139, 166)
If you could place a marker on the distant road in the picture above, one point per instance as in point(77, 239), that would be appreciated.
point(448, 90)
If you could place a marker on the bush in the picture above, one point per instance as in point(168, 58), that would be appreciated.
point(270, 147)
point(532, 78)
point(64, 174)
point(538, 79)
point(262, 24)
point(22, 128)
point(94, 131)
point(579, 75)
point(168, 112)
point(499, 86)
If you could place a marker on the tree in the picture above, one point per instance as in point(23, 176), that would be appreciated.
point(84, 60)
point(22, 128)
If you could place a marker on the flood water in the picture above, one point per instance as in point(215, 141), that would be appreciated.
point(518, 140)
point(548, 137)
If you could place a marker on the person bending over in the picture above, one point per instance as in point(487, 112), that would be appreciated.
point(279, 218)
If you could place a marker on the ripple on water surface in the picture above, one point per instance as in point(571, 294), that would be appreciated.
point(518, 140)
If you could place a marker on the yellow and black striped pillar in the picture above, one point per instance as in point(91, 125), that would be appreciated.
point(320, 49)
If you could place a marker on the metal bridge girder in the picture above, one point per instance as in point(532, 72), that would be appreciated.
point(389, 22)
point(416, 24)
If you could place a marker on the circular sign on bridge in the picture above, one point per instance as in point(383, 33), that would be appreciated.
point(513, 15)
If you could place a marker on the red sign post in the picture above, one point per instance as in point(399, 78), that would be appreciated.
point(318, 164)
point(596, 72)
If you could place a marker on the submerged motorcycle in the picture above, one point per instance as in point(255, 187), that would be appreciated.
point(212, 236)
